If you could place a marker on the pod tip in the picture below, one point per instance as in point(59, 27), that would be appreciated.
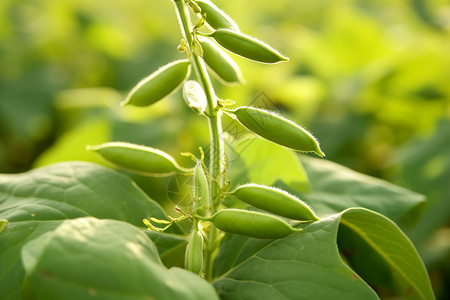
point(124, 102)
point(319, 151)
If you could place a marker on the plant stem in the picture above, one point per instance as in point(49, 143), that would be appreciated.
point(216, 151)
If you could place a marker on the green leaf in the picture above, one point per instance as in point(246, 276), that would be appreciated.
point(256, 160)
point(423, 165)
point(170, 247)
point(400, 262)
point(11, 241)
point(335, 188)
point(309, 263)
point(300, 266)
point(88, 258)
point(3, 224)
point(37, 201)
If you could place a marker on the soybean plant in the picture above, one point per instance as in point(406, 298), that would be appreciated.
point(205, 44)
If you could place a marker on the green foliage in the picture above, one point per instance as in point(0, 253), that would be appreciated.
point(38, 202)
point(289, 267)
point(100, 251)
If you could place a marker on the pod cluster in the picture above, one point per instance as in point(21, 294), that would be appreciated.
point(227, 35)
point(212, 50)
point(262, 225)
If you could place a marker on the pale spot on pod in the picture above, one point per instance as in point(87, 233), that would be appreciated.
point(194, 96)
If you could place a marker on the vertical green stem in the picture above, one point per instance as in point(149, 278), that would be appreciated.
point(216, 151)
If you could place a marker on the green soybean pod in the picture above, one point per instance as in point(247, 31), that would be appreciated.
point(247, 47)
point(200, 191)
point(139, 159)
point(215, 17)
point(251, 223)
point(222, 65)
point(275, 201)
point(277, 129)
point(159, 84)
point(193, 260)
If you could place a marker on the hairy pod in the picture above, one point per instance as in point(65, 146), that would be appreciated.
point(275, 201)
point(200, 191)
point(159, 84)
point(194, 253)
point(139, 159)
point(277, 129)
point(194, 96)
point(247, 47)
point(222, 65)
point(251, 223)
point(215, 17)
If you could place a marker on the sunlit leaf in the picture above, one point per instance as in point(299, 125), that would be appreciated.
point(88, 258)
point(299, 266)
point(402, 267)
point(309, 263)
point(37, 201)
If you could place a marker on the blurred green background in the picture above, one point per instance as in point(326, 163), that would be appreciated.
point(370, 78)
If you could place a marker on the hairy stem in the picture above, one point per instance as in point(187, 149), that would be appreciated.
point(216, 151)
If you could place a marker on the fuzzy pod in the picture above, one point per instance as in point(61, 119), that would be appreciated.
point(222, 65)
point(251, 223)
point(200, 190)
point(277, 129)
point(215, 17)
point(275, 201)
point(193, 259)
point(138, 159)
point(194, 96)
point(247, 47)
point(159, 84)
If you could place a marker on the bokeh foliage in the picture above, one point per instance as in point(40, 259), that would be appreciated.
point(370, 78)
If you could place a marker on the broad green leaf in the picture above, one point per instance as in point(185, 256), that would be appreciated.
point(300, 266)
point(401, 264)
point(259, 161)
point(3, 224)
point(335, 188)
point(37, 201)
point(12, 239)
point(309, 263)
point(88, 258)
